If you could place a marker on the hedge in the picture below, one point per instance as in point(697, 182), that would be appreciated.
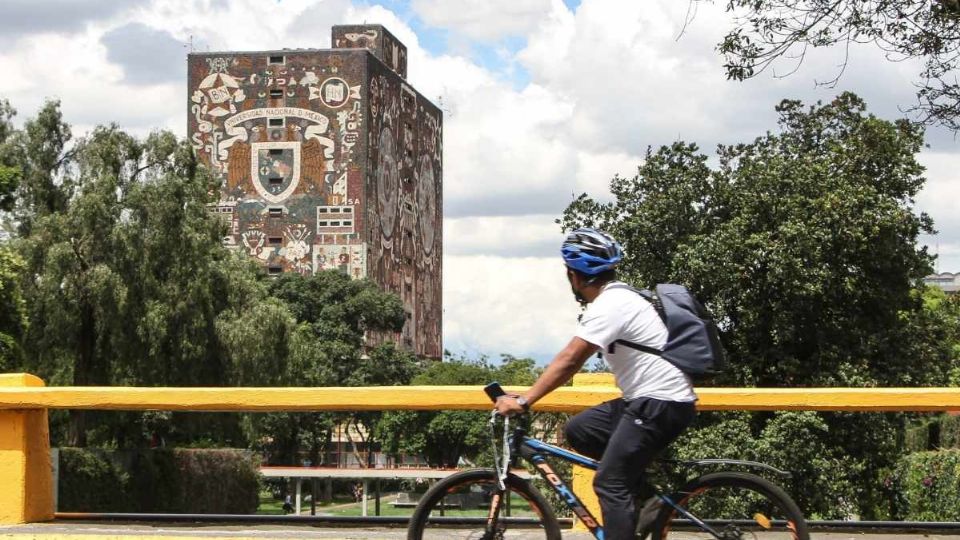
point(179, 481)
point(927, 486)
point(931, 433)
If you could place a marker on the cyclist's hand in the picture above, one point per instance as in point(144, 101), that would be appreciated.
point(507, 405)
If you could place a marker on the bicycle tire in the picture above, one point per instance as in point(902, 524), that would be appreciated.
point(738, 505)
point(437, 516)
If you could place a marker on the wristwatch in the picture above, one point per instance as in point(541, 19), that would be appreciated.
point(523, 403)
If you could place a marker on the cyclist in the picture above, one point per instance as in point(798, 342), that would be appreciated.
point(657, 403)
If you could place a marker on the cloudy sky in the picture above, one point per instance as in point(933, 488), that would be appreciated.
point(544, 99)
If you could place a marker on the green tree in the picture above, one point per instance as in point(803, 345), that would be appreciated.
point(804, 245)
point(316, 326)
point(41, 156)
point(127, 282)
point(927, 30)
point(126, 272)
point(443, 438)
point(12, 309)
point(13, 316)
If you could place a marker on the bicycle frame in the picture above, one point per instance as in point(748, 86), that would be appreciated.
point(535, 451)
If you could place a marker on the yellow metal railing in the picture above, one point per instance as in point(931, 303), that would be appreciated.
point(24, 401)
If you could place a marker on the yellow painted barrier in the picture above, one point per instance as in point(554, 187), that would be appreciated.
point(25, 471)
point(24, 400)
point(567, 399)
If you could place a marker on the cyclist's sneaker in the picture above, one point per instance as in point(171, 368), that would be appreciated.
point(648, 514)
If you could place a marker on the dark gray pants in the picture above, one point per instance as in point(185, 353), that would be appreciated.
point(625, 436)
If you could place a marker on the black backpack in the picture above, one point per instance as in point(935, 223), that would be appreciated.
point(693, 342)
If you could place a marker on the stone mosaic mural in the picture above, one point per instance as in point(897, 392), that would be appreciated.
point(328, 160)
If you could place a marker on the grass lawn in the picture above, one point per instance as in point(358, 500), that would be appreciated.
point(269, 506)
point(345, 506)
point(341, 506)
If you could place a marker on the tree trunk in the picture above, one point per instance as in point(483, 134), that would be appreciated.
point(82, 373)
point(353, 447)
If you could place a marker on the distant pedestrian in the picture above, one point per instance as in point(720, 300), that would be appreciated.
point(287, 505)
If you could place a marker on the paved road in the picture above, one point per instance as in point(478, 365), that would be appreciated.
point(113, 531)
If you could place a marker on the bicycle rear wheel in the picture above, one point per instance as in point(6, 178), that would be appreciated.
point(736, 506)
point(459, 507)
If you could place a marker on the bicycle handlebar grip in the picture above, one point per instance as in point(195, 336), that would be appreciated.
point(494, 391)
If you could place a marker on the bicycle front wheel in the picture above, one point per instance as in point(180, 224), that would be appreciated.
point(469, 505)
point(734, 506)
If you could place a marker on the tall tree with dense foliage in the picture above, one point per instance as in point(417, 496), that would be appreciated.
point(445, 438)
point(318, 326)
point(804, 245)
point(926, 30)
point(122, 278)
point(125, 275)
point(12, 308)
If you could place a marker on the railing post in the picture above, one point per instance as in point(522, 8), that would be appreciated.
point(583, 478)
point(25, 469)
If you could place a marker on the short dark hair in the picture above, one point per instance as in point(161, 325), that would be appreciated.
point(603, 277)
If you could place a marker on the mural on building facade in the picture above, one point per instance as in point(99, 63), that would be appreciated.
point(328, 160)
point(350, 259)
point(404, 164)
point(282, 138)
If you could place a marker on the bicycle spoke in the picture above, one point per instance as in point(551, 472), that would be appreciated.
point(734, 508)
point(475, 509)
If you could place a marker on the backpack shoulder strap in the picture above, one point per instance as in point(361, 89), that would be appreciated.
point(651, 297)
point(635, 346)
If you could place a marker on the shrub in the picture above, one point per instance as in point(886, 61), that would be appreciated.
point(221, 481)
point(823, 480)
point(90, 482)
point(932, 433)
point(928, 486)
point(180, 481)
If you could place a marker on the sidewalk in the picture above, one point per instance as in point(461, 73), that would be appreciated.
point(194, 531)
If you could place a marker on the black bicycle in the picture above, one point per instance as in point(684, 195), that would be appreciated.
point(497, 503)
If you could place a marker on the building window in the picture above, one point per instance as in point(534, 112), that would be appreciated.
point(335, 220)
point(275, 122)
point(276, 212)
point(276, 180)
point(275, 240)
point(277, 59)
point(408, 287)
point(276, 93)
point(274, 270)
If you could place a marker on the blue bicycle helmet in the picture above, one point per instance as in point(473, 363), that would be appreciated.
point(590, 251)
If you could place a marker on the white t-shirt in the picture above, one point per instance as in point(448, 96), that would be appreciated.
point(620, 313)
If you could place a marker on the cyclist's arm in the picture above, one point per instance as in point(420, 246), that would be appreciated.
point(560, 370)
